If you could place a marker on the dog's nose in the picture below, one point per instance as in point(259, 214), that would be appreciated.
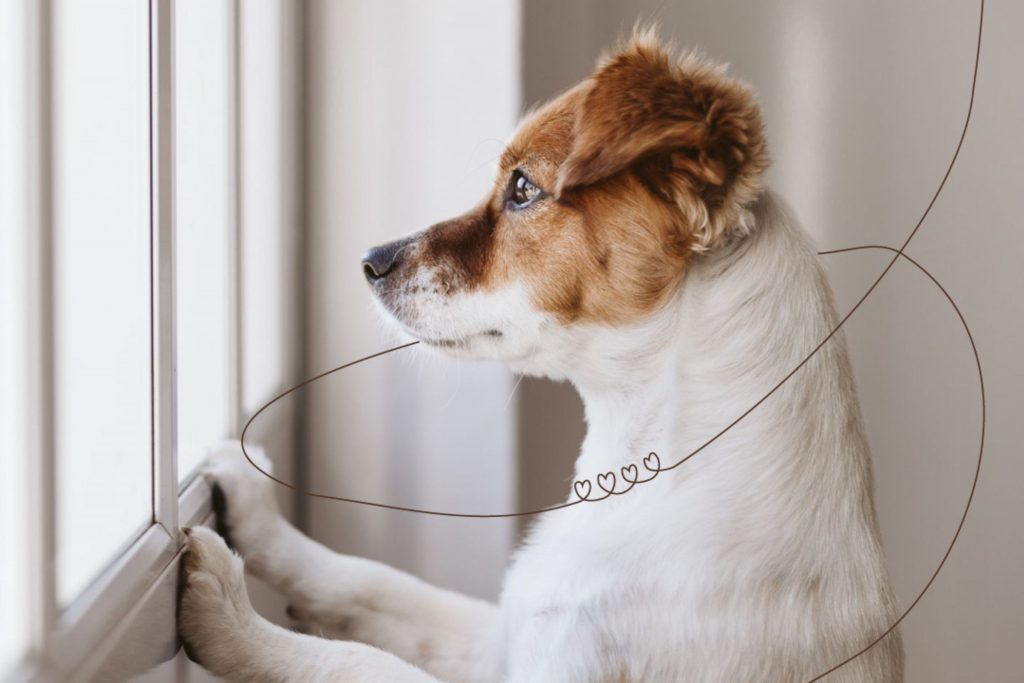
point(379, 261)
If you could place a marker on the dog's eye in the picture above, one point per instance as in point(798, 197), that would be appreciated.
point(522, 192)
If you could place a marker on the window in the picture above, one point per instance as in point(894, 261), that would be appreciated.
point(101, 363)
point(144, 234)
point(205, 148)
point(14, 597)
point(261, 202)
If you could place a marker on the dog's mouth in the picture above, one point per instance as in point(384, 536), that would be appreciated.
point(458, 342)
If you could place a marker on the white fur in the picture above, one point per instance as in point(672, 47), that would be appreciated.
point(757, 560)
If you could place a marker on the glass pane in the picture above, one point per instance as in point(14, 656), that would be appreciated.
point(262, 210)
point(14, 558)
point(205, 202)
point(102, 289)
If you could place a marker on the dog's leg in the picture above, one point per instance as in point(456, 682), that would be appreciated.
point(221, 631)
point(452, 636)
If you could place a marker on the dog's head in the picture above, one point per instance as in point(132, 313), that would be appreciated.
point(601, 201)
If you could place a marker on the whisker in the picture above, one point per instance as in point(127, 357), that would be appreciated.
point(514, 387)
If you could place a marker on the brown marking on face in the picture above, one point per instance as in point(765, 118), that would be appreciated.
point(460, 249)
point(606, 256)
point(643, 165)
point(692, 134)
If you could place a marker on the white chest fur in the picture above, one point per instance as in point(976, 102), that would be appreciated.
point(759, 558)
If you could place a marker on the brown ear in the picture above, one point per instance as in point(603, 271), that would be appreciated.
point(693, 134)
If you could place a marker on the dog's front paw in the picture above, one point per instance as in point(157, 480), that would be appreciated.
point(215, 618)
point(243, 497)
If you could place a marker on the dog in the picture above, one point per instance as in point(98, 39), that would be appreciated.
point(630, 247)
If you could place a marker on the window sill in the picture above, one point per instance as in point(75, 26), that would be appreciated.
point(87, 632)
point(124, 623)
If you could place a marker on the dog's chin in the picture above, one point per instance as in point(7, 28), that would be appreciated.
point(519, 352)
point(477, 339)
point(489, 343)
point(485, 344)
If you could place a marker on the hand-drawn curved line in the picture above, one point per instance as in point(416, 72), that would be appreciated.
point(977, 468)
point(653, 457)
point(888, 267)
point(358, 501)
point(897, 254)
point(525, 513)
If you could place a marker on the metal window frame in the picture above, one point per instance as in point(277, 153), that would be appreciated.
point(162, 266)
point(40, 400)
point(236, 338)
point(236, 417)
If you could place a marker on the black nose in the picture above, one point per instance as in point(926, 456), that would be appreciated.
point(379, 261)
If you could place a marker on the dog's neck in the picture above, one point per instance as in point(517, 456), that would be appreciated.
point(740, 322)
point(628, 403)
point(756, 522)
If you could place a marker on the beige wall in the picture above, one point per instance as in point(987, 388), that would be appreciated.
point(864, 103)
point(408, 105)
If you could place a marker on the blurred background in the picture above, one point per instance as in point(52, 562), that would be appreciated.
point(186, 188)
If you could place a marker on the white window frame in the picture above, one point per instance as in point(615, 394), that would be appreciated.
point(75, 641)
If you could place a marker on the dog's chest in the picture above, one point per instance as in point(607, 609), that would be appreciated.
point(580, 602)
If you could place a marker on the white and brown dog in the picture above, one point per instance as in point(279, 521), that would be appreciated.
point(628, 246)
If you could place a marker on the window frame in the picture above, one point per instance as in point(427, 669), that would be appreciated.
point(76, 640)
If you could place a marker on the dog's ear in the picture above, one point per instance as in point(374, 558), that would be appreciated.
point(691, 133)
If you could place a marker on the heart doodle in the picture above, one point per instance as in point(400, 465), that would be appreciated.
point(606, 481)
point(652, 462)
point(582, 488)
point(630, 473)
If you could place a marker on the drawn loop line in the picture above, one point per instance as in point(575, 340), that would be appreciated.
point(652, 463)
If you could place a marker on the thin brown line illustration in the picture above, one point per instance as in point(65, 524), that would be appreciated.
point(585, 483)
point(977, 469)
point(633, 475)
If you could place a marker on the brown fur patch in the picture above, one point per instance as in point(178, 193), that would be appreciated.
point(644, 164)
point(461, 248)
point(608, 254)
point(694, 135)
